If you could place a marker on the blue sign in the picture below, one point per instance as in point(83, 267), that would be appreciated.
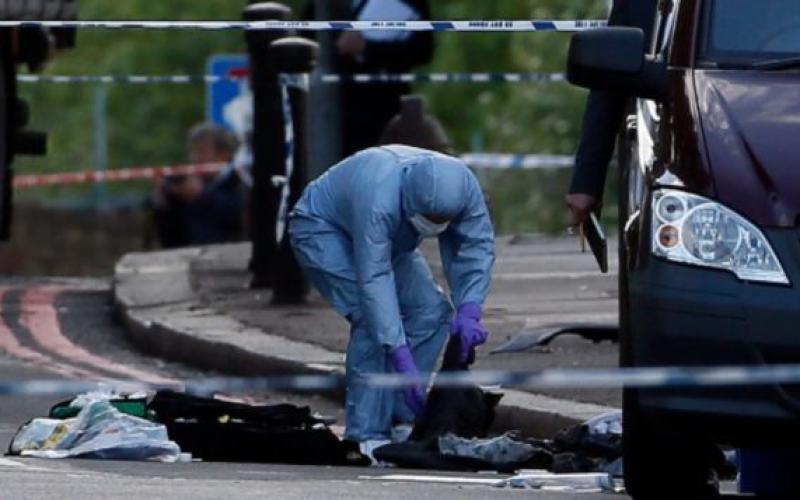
point(227, 99)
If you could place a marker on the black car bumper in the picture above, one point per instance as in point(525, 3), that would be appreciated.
point(690, 316)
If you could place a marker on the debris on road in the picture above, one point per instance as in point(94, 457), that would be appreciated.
point(217, 431)
point(109, 426)
point(578, 483)
point(537, 338)
point(98, 431)
point(534, 479)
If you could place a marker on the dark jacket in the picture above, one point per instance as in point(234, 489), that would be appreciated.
point(215, 217)
point(368, 108)
point(606, 110)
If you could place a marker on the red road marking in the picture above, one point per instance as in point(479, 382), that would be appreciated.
point(10, 344)
point(38, 315)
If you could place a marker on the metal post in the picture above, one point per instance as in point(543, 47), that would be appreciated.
point(100, 142)
point(293, 56)
point(267, 144)
point(325, 134)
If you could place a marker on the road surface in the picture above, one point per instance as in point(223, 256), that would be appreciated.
point(64, 329)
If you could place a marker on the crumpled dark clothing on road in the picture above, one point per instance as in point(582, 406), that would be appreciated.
point(460, 417)
point(452, 453)
point(463, 411)
point(590, 447)
point(218, 431)
point(598, 437)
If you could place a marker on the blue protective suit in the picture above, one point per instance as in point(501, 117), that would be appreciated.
point(351, 233)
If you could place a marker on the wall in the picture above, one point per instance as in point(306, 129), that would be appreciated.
point(61, 242)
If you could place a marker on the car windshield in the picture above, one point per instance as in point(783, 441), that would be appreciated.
point(744, 32)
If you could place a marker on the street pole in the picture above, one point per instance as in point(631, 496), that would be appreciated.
point(293, 56)
point(267, 146)
point(325, 99)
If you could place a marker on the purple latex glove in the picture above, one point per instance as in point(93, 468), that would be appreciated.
point(467, 325)
point(403, 363)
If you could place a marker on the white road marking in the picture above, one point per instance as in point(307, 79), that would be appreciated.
point(434, 479)
point(6, 463)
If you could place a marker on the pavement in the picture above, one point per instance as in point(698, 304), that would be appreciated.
point(194, 306)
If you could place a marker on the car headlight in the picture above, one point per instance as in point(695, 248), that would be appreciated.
point(695, 230)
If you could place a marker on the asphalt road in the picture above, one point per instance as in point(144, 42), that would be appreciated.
point(65, 329)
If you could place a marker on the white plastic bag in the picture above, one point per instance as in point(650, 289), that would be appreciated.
point(98, 431)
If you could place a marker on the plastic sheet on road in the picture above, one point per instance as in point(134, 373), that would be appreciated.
point(98, 431)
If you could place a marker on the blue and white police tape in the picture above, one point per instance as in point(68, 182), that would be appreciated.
point(612, 378)
point(125, 79)
point(299, 81)
point(330, 78)
point(494, 25)
point(518, 161)
point(531, 77)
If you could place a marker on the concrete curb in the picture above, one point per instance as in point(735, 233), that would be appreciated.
point(164, 317)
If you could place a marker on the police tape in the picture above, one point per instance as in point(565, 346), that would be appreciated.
point(287, 82)
point(126, 79)
point(329, 78)
point(482, 161)
point(495, 25)
point(568, 378)
point(492, 161)
point(126, 174)
point(531, 77)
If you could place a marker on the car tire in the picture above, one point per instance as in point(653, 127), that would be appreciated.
point(657, 465)
point(660, 465)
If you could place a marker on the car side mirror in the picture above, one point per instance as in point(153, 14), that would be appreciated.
point(614, 59)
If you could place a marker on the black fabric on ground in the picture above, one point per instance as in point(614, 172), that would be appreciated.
point(169, 405)
point(425, 455)
point(244, 442)
point(466, 412)
point(576, 462)
point(222, 431)
point(579, 439)
point(463, 411)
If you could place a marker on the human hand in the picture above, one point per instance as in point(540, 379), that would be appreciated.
point(403, 363)
point(188, 189)
point(467, 325)
point(581, 205)
point(351, 43)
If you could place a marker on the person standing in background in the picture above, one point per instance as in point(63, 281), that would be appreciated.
point(602, 120)
point(367, 108)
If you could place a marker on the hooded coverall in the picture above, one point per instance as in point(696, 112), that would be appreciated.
point(351, 234)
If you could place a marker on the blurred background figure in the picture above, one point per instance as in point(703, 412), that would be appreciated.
point(196, 210)
point(367, 108)
point(413, 126)
point(602, 119)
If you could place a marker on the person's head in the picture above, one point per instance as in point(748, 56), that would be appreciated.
point(435, 193)
point(210, 143)
point(413, 126)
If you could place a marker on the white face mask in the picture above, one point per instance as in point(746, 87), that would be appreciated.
point(427, 228)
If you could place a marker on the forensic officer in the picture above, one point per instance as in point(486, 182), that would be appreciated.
point(356, 230)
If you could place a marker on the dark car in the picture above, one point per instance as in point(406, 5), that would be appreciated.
point(710, 222)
